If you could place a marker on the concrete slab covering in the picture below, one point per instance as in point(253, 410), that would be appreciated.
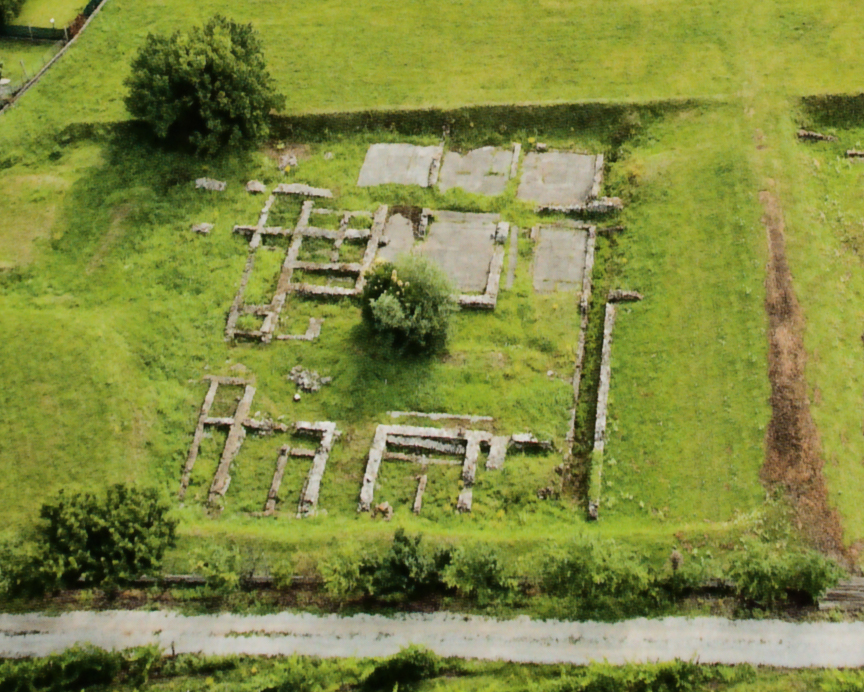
point(483, 171)
point(400, 232)
point(402, 164)
point(463, 245)
point(559, 261)
point(557, 178)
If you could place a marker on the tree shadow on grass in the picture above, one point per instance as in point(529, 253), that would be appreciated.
point(385, 378)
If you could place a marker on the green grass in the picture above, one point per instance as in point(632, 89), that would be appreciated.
point(116, 310)
point(194, 673)
point(33, 55)
point(513, 51)
point(822, 193)
point(689, 388)
point(121, 248)
point(41, 12)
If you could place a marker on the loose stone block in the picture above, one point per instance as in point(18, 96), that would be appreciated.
point(418, 498)
point(303, 190)
point(402, 164)
point(256, 187)
point(557, 178)
point(202, 228)
point(483, 171)
point(559, 259)
point(210, 184)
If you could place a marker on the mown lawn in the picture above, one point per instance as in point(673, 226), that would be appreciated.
point(822, 191)
point(41, 12)
point(33, 55)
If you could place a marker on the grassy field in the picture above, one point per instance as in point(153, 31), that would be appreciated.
point(106, 256)
point(33, 55)
point(513, 51)
point(41, 12)
point(823, 195)
point(125, 307)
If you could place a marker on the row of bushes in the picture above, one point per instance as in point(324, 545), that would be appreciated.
point(589, 578)
point(112, 539)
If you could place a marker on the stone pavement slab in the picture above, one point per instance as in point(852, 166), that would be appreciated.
point(463, 245)
point(400, 232)
point(483, 171)
point(402, 164)
point(557, 178)
point(559, 260)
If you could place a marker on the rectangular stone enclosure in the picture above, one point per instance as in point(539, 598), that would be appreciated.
point(463, 245)
point(483, 171)
point(559, 260)
point(557, 178)
point(401, 164)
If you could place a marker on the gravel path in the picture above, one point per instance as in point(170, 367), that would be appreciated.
point(709, 640)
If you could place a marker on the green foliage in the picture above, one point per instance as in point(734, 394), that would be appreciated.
point(73, 670)
point(407, 570)
point(406, 669)
point(222, 566)
point(347, 573)
point(9, 9)
point(599, 579)
point(479, 572)
point(678, 676)
point(410, 301)
point(109, 539)
point(766, 573)
point(210, 85)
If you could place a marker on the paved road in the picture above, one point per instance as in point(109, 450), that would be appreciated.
point(709, 640)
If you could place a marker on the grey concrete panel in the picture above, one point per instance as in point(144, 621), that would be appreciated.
point(483, 171)
point(463, 246)
point(400, 232)
point(557, 178)
point(402, 164)
point(559, 260)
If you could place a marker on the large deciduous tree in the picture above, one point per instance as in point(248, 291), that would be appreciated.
point(209, 85)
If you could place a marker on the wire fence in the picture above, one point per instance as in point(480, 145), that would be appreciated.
point(20, 67)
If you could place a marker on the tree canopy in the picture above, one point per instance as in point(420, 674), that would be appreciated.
point(209, 85)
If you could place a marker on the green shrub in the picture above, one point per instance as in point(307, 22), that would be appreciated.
point(222, 567)
point(677, 676)
point(405, 669)
point(209, 86)
point(409, 302)
point(73, 670)
point(766, 573)
point(407, 570)
point(348, 573)
point(90, 540)
point(600, 579)
point(478, 572)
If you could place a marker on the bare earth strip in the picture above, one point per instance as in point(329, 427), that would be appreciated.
point(793, 451)
point(708, 640)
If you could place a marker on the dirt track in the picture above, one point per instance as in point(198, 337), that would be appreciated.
point(793, 454)
point(710, 640)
